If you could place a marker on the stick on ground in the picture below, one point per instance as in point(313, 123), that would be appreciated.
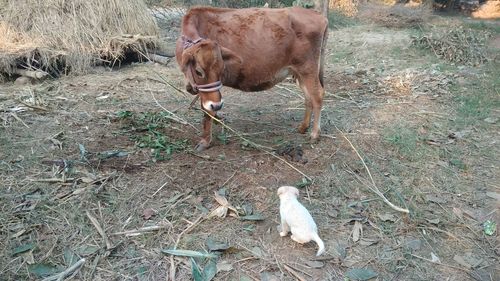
point(374, 187)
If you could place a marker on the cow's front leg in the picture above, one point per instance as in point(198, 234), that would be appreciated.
point(206, 136)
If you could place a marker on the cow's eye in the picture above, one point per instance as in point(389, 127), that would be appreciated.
point(199, 73)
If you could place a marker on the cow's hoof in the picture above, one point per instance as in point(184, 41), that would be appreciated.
point(302, 128)
point(201, 146)
point(314, 138)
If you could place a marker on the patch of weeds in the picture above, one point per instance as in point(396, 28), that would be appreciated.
point(337, 20)
point(407, 142)
point(149, 125)
point(483, 25)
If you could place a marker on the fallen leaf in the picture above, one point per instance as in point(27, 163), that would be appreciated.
point(257, 251)
point(148, 213)
point(387, 217)
point(268, 276)
point(333, 213)
point(42, 269)
point(187, 253)
point(493, 195)
point(435, 258)
point(361, 274)
point(224, 207)
point(461, 261)
point(433, 221)
point(435, 199)
point(210, 270)
point(23, 248)
point(195, 271)
point(254, 217)
point(213, 245)
point(491, 120)
point(489, 227)
point(224, 266)
point(367, 242)
point(87, 250)
point(315, 264)
point(458, 212)
point(357, 231)
point(414, 244)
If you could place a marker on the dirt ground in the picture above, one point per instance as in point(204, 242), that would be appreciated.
point(85, 160)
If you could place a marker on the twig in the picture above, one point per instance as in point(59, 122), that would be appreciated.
point(34, 106)
point(70, 270)
point(160, 188)
point(19, 119)
point(141, 230)
point(189, 228)
point(294, 273)
point(439, 263)
point(265, 149)
point(374, 187)
point(51, 180)
point(172, 115)
point(100, 230)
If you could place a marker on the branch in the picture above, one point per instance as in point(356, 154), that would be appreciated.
point(373, 188)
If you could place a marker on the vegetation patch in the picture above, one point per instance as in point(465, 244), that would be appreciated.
point(457, 44)
point(149, 129)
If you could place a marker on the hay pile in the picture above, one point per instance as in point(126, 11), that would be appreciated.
point(457, 45)
point(59, 36)
point(397, 15)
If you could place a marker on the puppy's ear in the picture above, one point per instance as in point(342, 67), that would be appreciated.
point(280, 191)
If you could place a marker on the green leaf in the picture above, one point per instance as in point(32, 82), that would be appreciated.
point(70, 257)
point(87, 250)
point(210, 269)
point(361, 274)
point(213, 245)
point(111, 153)
point(187, 253)
point(254, 217)
point(42, 269)
point(23, 248)
point(489, 227)
point(197, 275)
point(305, 183)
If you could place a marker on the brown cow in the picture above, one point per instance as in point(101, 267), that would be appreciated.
point(252, 50)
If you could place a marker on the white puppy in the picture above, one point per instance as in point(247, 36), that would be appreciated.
point(296, 218)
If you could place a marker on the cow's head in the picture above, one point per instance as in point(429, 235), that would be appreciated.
point(202, 63)
point(203, 66)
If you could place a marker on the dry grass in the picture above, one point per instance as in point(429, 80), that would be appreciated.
point(346, 7)
point(396, 16)
point(455, 44)
point(72, 35)
point(489, 10)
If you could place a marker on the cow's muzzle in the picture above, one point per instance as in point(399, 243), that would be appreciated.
point(213, 106)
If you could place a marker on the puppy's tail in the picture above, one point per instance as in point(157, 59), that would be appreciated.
point(321, 245)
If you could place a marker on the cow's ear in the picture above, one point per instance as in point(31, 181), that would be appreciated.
point(187, 59)
point(230, 58)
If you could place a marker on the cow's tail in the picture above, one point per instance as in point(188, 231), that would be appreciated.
point(323, 54)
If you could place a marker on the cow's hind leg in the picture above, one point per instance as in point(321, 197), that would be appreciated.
point(313, 92)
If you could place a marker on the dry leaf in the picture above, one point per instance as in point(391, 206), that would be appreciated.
point(435, 258)
point(387, 217)
point(148, 213)
point(224, 266)
point(458, 212)
point(357, 231)
point(222, 210)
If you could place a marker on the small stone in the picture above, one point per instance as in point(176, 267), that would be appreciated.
point(22, 81)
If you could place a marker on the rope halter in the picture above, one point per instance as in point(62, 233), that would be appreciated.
point(204, 88)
